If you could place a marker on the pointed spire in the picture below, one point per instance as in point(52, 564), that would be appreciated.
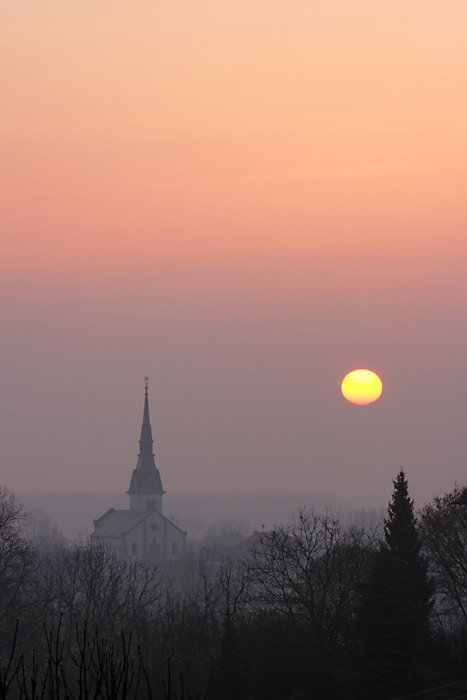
point(146, 477)
point(146, 455)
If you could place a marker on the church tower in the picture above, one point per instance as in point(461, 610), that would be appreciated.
point(146, 486)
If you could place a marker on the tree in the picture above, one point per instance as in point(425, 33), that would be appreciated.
point(18, 564)
point(43, 532)
point(404, 545)
point(89, 586)
point(444, 532)
point(307, 575)
point(397, 598)
point(231, 595)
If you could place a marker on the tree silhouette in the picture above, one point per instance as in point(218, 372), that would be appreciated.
point(395, 603)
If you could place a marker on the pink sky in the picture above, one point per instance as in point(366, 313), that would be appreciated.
point(244, 201)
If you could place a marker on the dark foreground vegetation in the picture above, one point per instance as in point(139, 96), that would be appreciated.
point(317, 610)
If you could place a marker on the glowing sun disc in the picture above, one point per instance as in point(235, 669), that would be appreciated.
point(361, 386)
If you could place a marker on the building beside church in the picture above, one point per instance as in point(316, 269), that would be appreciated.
point(142, 532)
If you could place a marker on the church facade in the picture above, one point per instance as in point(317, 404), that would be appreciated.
point(142, 532)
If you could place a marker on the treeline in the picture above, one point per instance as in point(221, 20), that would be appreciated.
point(317, 610)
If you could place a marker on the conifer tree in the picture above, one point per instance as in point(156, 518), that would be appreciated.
point(400, 528)
point(395, 603)
point(410, 572)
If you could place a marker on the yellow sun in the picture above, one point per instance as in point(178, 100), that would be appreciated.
point(361, 386)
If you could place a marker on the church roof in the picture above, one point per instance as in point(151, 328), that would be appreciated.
point(146, 477)
point(116, 523)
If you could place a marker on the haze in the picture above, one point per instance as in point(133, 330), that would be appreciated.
point(244, 202)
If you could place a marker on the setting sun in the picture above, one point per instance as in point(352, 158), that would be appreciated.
point(361, 386)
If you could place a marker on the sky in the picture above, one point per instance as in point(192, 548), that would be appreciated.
point(243, 201)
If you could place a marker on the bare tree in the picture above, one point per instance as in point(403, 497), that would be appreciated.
point(232, 598)
point(89, 586)
point(308, 572)
point(18, 565)
point(188, 630)
point(444, 535)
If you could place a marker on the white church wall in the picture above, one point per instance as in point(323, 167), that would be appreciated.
point(153, 539)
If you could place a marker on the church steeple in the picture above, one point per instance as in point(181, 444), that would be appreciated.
point(146, 455)
point(146, 486)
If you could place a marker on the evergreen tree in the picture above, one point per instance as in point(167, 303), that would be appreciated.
point(395, 603)
point(410, 575)
point(400, 528)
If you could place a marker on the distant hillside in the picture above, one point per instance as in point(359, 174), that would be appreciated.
point(75, 511)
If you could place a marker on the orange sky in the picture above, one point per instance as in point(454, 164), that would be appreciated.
point(154, 127)
point(268, 165)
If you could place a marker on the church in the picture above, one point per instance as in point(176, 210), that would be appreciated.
point(142, 532)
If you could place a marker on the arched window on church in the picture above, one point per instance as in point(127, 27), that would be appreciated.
point(174, 549)
point(134, 549)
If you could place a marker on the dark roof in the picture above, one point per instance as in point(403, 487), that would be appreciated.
point(115, 523)
point(245, 546)
point(148, 481)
